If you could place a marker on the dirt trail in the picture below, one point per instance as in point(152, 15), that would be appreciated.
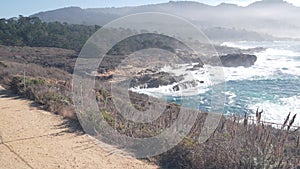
point(35, 139)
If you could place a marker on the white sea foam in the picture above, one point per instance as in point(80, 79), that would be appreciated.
point(199, 77)
point(235, 45)
point(270, 63)
point(274, 61)
point(162, 91)
point(281, 52)
point(231, 96)
point(277, 112)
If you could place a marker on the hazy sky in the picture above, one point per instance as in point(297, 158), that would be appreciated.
point(11, 8)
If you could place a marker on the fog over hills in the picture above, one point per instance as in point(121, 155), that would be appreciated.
point(222, 22)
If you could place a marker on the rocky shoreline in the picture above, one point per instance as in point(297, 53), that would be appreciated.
point(156, 78)
point(151, 78)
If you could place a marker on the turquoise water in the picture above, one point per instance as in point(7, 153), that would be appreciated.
point(248, 92)
point(272, 84)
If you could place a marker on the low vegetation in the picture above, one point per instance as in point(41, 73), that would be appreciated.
point(238, 142)
point(50, 87)
point(239, 145)
point(63, 59)
point(43, 75)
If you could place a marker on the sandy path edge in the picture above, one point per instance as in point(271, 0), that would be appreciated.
point(33, 138)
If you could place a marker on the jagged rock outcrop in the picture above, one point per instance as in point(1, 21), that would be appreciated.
point(154, 80)
point(186, 85)
point(235, 60)
point(196, 67)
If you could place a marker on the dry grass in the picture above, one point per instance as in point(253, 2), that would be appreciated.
point(238, 142)
point(50, 87)
point(239, 145)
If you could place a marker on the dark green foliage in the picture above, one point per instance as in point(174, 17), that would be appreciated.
point(27, 31)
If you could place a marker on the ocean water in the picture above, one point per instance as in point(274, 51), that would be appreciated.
point(272, 84)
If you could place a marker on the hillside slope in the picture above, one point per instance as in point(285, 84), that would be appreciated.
point(273, 17)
